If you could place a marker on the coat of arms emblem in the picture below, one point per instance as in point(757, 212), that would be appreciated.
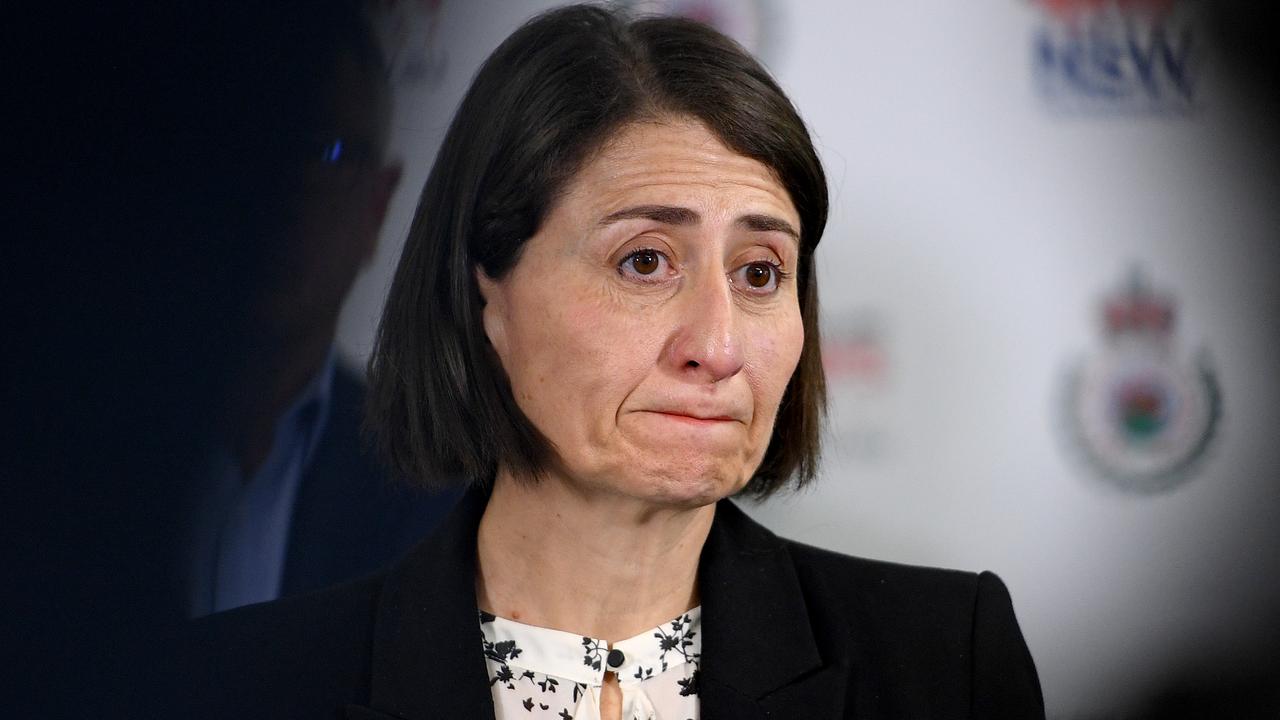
point(1142, 412)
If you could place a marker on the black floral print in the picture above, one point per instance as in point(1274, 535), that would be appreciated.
point(677, 639)
point(595, 652)
point(689, 685)
point(542, 674)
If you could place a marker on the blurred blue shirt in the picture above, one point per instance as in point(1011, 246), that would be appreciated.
point(241, 528)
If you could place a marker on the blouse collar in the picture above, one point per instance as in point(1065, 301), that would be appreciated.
point(747, 582)
point(584, 659)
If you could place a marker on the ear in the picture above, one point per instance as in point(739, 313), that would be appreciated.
point(494, 312)
point(384, 184)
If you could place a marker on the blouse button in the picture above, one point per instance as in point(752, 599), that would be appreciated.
point(616, 658)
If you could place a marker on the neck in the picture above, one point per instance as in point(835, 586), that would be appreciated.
point(271, 378)
point(599, 565)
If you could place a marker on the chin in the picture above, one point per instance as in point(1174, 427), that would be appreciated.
point(693, 485)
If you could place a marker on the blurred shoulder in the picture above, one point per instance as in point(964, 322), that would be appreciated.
point(297, 657)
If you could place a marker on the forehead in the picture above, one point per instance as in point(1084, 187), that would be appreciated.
point(675, 162)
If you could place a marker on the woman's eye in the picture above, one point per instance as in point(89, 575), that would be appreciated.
point(758, 277)
point(644, 263)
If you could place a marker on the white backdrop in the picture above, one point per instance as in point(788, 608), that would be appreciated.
point(976, 228)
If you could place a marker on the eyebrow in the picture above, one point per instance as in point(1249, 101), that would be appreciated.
point(665, 214)
point(673, 215)
point(768, 223)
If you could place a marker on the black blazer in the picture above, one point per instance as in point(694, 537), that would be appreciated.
point(845, 638)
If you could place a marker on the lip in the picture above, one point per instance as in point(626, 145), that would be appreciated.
point(694, 418)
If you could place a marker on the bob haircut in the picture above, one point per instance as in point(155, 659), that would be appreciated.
point(440, 406)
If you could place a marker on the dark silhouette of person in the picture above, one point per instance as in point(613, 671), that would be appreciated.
point(180, 232)
point(290, 500)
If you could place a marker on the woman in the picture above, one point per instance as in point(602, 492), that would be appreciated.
point(606, 316)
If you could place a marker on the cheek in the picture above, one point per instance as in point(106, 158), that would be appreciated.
point(771, 364)
point(573, 358)
point(776, 353)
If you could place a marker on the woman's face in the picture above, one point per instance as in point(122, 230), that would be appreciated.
point(650, 327)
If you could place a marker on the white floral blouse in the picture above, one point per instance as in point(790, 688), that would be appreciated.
point(537, 673)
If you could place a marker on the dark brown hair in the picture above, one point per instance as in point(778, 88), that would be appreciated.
point(440, 407)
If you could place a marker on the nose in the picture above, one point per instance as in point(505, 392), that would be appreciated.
point(705, 347)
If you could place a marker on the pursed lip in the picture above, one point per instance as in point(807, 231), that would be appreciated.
point(696, 416)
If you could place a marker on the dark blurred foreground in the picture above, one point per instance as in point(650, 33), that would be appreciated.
point(143, 175)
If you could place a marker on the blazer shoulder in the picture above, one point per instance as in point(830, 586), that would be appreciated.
point(881, 581)
point(938, 628)
point(284, 658)
point(939, 601)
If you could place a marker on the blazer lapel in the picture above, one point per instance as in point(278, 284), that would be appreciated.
point(760, 656)
point(427, 658)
